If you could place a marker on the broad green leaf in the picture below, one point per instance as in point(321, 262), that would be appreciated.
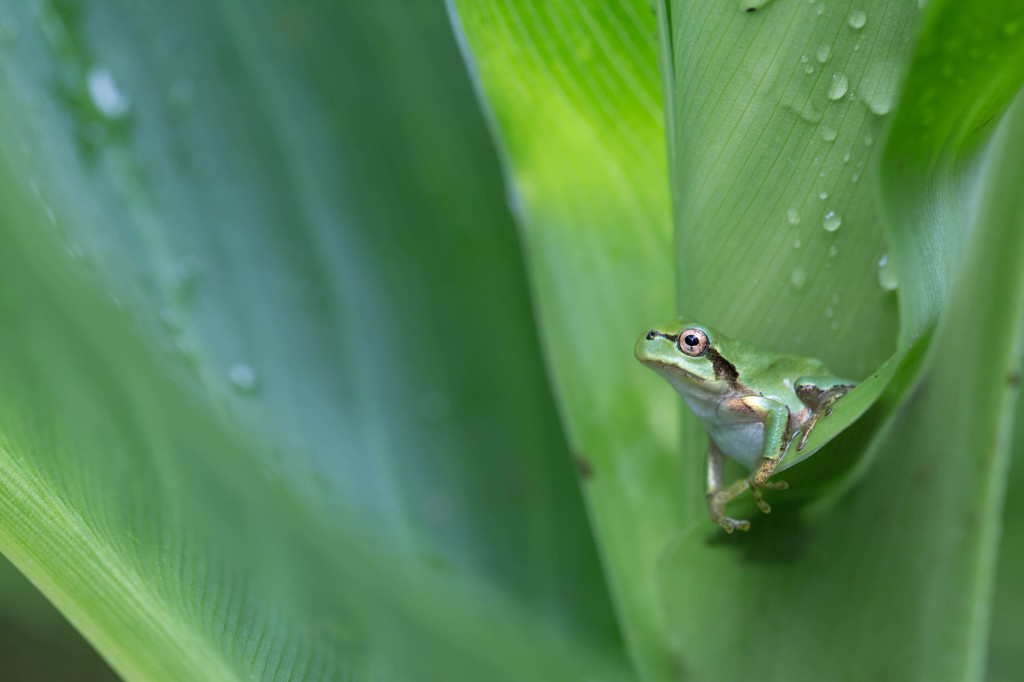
point(573, 92)
point(1006, 660)
point(896, 577)
point(273, 406)
point(776, 117)
point(909, 550)
point(801, 213)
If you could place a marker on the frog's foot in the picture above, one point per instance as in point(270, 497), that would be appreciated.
point(733, 524)
point(766, 485)
point(822, 408)
point(717, 499)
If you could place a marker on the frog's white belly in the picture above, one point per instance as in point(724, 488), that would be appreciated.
point(742, 442)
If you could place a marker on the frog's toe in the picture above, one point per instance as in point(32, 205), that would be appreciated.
point(759, 496)
point(733, 524)
point(761, 504)
point(716, 510)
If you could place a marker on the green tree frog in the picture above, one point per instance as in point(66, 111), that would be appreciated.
point(754, 403)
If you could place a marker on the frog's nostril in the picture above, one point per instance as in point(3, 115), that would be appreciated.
point(651, 334)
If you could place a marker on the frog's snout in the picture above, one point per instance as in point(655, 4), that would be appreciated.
point(651, 334)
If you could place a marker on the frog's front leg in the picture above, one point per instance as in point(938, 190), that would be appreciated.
point(776, 433)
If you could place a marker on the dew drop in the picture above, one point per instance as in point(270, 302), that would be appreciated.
point(804, 58)
point(857, 19)
point(833, 251)
point(840, 84)
point(880, 107)
point(846, 157)
point(810, 114)
point(887, 274)
point(831, 221)
point(821, 9)
point(798, 278)
point(828, 134)
point(808, 69)
point(855, 177)
point(824, 53)
point(243, 378)
point(797, 243)
point(104, 93)
point(793, 216)
point(868, 140)
point(823, 195)
point(830, 312)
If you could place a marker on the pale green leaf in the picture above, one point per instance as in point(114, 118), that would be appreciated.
point(272, 402)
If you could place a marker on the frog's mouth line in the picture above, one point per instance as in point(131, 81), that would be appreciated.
point(669, 368)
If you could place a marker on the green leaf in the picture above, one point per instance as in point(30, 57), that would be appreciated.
point(910, 548)
point(273, 405)
point(1005, 659)
point(573, 93)
point(824, 160)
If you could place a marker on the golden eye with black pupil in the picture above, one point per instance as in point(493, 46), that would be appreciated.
point(693, 342)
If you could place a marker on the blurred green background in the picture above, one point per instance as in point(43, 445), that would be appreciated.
point(316, 324)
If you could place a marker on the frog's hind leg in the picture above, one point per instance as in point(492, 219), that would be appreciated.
point(820, 401)
point(718, 495)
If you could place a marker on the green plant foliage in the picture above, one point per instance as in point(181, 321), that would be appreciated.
point(573, 91)
point(824, 160)
point(273, 405)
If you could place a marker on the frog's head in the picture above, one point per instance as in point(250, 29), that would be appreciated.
point(688, 355)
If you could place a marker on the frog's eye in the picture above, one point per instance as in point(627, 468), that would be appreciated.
point(693, 342)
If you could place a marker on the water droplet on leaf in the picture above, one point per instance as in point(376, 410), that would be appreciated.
point(798, 278)
point(106, 96)
point(243, 378)
point(840, 84)
point(887, 274)
point(831, 221)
